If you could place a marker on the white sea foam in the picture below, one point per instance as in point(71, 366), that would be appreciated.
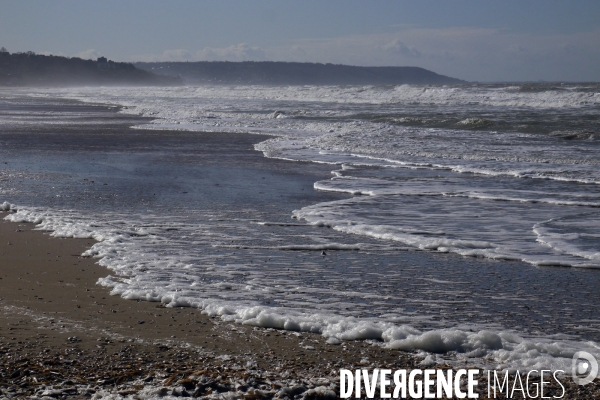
point(142, 275)
point(481, 193)
point(458, 96)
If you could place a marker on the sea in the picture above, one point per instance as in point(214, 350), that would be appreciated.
point(461, 223)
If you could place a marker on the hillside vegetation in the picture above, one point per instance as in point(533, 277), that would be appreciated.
point(30, 69)
point(292, 73)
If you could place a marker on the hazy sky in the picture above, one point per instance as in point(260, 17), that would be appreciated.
point(485, 40)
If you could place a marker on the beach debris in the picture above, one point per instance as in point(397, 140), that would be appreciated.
point(137, 370)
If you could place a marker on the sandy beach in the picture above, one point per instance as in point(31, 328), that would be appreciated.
point(61, 329)
point(297, 201)
point(62, 335)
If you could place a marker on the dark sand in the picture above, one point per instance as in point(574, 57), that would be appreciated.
point(63, 336)
point(49, 295)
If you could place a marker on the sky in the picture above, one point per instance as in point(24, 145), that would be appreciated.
point(475, 40)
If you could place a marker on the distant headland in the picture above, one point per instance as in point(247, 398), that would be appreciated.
point(294, 73)
point(30, 69)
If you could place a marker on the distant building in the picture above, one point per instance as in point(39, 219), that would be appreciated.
point(103, 63)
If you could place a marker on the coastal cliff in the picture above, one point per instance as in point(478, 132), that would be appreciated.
point(294, 73)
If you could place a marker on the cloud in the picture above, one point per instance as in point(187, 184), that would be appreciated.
point(483, 54)
point(167, 55)
point(399, 48)
point(239, 52)
point(177, 55)
point(477, 54)
point(89, 54)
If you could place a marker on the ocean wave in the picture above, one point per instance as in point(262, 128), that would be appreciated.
point(419, 187)
point(495, 348)
point(474, 122)
point(544, 97)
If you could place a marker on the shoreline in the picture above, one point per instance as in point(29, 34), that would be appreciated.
point(53, 309)
point(55, 314)
point(64, 336)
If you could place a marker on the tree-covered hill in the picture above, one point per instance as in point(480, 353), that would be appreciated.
point(30, 69)
point(293, 73)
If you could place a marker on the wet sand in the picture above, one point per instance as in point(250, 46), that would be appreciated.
point(64, 336)
point(53, 313)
